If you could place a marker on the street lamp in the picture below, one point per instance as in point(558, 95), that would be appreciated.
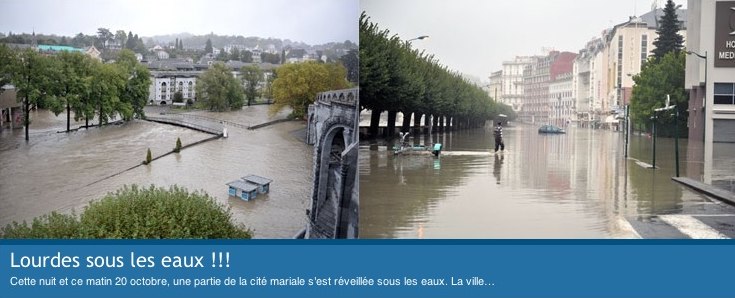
point(418, 38)
point(668, 107)
point(704, 101)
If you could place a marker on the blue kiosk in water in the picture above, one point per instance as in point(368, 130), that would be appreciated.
point(248, 187)
point(243, 190)
point(262, 182)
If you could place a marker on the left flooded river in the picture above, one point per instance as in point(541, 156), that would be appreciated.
point(62, 172)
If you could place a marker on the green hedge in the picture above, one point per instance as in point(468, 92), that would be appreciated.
point(138, 213)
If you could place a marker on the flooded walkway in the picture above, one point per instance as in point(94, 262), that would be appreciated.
point(576, 185)
point(50, 172)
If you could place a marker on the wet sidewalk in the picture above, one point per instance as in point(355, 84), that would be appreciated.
point(712, 191)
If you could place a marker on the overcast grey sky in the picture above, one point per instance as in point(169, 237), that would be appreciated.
point(476, 36)
point(310, 21)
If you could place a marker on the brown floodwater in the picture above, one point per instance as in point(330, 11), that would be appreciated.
point(574, 185)
point(59, 172)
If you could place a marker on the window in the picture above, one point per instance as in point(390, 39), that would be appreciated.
point(644, 49)
point(724, 93)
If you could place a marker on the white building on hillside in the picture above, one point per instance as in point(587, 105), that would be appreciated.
point(167, 83)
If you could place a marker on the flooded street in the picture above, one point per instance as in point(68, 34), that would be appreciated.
point(574, 185)
point(62, 172)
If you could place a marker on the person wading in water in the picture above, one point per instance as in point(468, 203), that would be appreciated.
point(498, 133)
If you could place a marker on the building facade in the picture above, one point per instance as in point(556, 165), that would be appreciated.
point(536, 80)
point(562, 105)
point(512, 81)
point(629, 45)
point(495, 87)
point(710, 79)
point(166, 83)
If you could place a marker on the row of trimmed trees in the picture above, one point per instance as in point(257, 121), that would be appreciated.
point(396, 78)
point(74, 83)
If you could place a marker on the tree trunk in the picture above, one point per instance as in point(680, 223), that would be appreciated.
point(427, 123)
point(406, 122)
point(441, 124)
point(417, 123)
point(391, 129)
point(374, 123)
point(68, 117)
point(27, 110)
point(435, 123)
point(100, 114)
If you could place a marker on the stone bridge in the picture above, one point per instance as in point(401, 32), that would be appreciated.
point(333, 130)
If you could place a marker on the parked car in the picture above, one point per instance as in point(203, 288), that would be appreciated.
point(548, 128)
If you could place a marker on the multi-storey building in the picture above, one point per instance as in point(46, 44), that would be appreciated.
point(180, 75)
point(587, 74)
point(561, 104)
point(536, 79)
point(710, 79)
point(166, 83)
point(629, 45)
point(512, 81)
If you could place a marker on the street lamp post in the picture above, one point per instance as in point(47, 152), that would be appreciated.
point(655, 116)
point(668, 107)
point(417, 122)
point(707, 146)
point(418, 38)
point(676, 141)
point(704, 101)
point(627, 129)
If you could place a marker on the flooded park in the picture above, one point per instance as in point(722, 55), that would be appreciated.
point(574, 185)
point(63, 172)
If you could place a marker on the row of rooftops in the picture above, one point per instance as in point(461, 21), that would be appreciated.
point(182, 64)
point(648, 20)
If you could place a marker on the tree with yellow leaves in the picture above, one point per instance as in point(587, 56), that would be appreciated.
point(296, 85)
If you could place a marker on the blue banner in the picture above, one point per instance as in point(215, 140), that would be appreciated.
point(367, 268)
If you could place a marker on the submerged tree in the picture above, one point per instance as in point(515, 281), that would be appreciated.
point(252, 75)
point(218, 90)
point(28, 72)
